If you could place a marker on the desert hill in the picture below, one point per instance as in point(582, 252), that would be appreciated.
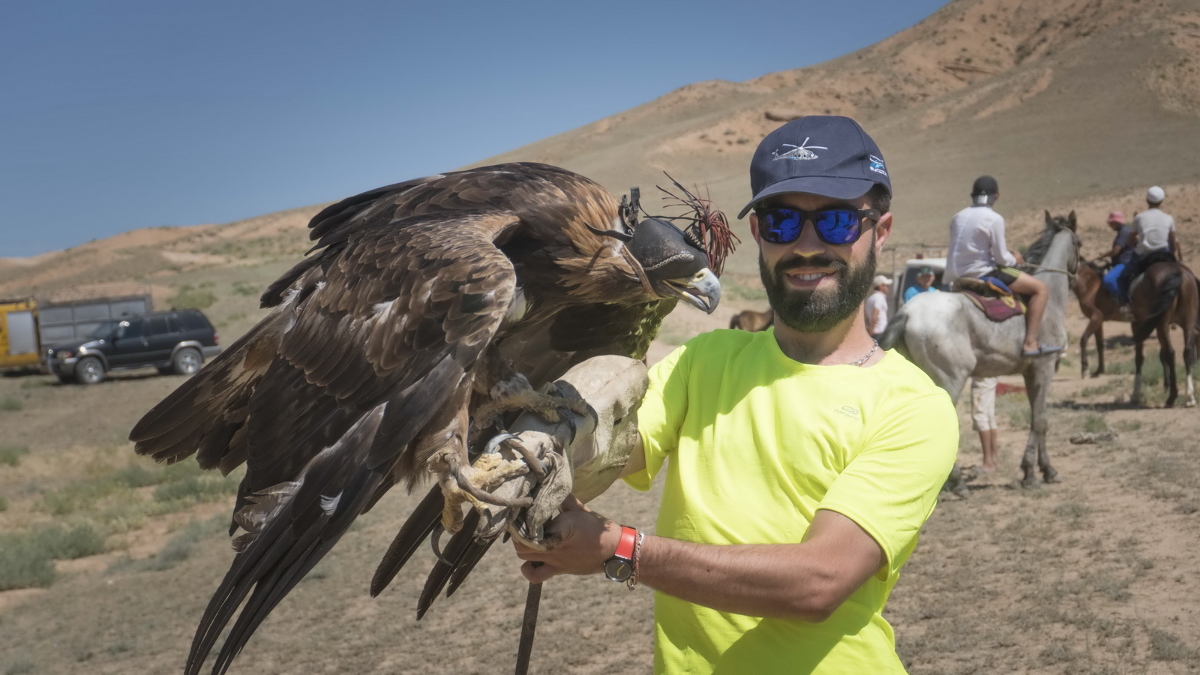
point(1065, 101)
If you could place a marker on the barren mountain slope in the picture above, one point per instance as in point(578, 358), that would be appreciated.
point(1059, 99)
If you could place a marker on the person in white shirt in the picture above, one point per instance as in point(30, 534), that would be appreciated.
point(978, 249)
point(1153, 239)
point(876, 307)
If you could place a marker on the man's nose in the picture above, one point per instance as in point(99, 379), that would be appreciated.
point(808, 244)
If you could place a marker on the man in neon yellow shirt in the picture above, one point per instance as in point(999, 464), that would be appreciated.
point(801, 461)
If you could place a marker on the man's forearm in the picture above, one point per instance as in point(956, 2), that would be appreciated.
point(767, 580)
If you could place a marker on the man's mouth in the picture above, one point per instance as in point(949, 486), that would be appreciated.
point(808, 278)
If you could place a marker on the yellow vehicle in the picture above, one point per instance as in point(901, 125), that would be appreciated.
point(19, 339)
point(28, 328)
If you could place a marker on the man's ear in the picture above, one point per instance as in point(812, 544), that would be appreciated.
point(754, 225)
point(883, 230)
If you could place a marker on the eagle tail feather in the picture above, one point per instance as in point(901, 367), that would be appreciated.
point(472, 557)
point(452, 557)
point(414, 531)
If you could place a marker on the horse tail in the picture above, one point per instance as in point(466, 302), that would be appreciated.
point(893, 335)
point(735, 322)
point(1171, 286)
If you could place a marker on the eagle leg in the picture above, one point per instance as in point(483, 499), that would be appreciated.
point(463, 483)
point(511, 396)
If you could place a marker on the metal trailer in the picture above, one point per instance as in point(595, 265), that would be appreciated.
point(62, 321)
point(29, 327)
point(19, 343)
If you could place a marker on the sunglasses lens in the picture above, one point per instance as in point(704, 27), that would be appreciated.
point(838, 226)
point(780, 226)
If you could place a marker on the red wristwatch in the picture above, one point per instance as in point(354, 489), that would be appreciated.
point(620, 566)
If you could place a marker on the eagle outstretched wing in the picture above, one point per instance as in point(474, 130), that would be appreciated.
point(419, 302)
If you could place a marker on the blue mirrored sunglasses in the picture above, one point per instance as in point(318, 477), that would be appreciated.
point(835, 226)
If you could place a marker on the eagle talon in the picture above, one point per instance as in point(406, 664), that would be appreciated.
point(535, 464)
point(435, 542)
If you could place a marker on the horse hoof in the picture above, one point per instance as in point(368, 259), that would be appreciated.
point(1030, 482)
point(1051, 477)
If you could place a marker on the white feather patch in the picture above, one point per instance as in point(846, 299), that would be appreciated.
point(516, 310)
point(289, 297)
point(382, 308)
point(330, 504)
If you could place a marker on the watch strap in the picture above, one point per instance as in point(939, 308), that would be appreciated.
point(627, 543)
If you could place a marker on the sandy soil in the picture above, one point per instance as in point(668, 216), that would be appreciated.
point(1092, 575)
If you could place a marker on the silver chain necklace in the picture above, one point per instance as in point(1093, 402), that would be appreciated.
point(874, 346)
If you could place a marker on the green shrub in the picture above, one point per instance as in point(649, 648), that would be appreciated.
point(67, 544)
point(23, 565)
point(1167, 647)
point(137, 475)
point(179, 547)
point(243, 288)
point(83, 495)
point(26, 558)
point(10, 404)
point(1095, 424)
point(78, 496)
point(195, 488)
point(19, 667)
point(10, 455)
point(190, 298)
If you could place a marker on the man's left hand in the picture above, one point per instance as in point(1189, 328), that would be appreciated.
point(584, 541)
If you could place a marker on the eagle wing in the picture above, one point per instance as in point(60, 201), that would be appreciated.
point(371, 339)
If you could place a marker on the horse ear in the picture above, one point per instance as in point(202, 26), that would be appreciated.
point(1071, 220)
point(1048, 219)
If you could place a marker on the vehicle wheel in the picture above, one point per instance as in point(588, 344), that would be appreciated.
point(89, 370)
point(186, 361)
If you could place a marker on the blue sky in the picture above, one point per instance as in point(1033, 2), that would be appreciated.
point(119, 115)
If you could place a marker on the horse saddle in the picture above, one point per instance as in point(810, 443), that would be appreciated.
point(991, 296)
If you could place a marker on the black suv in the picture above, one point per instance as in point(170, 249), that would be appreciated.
point(177, 341)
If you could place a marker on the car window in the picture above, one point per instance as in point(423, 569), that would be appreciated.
point(130, 329)
point(192, 321)
point(104, 330)
point(157, 325)
point(174, 324)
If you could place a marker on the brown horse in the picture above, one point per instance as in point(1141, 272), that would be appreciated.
point(1166, 293)
point(1098, 305)
point(752, 321)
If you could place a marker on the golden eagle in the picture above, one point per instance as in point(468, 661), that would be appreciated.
point(426, 311)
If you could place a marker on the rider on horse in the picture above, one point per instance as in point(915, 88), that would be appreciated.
point(1153, 241)
point(1121, 253)
point(977, 249)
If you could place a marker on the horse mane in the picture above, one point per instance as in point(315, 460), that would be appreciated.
point(1038, 249)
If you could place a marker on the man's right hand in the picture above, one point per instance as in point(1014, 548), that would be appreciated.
point(1020, 258)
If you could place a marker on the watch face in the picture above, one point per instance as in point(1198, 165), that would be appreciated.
point(617, 569)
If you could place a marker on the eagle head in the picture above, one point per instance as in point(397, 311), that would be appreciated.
point(674, 265)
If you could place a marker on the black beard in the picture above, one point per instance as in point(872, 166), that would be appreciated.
point(818, 311)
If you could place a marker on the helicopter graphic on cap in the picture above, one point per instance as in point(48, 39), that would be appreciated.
point(802, 151)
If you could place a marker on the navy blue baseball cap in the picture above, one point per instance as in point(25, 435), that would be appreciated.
point(819, 154)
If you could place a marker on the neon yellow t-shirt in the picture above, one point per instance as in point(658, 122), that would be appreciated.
point(758, 443)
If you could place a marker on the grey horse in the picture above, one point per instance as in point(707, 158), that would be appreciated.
point(951, 340)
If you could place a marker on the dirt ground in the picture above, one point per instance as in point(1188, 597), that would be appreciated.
point(1094, 575)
